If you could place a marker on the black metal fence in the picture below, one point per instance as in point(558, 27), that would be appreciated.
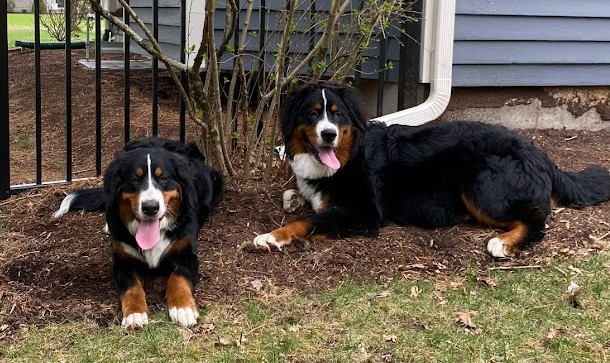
point(408, 71)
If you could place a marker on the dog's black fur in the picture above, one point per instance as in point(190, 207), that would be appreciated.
point(183, 184)
point(431, 176)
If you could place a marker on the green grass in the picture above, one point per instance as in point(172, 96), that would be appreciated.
point(527, 317)
point(21, 27)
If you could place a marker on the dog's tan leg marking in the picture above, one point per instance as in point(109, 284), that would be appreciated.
point(133, 305)
point(506, 244)
point(283, 236)
point(180, 301)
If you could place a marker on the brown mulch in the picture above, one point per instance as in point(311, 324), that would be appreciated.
point(57, 270)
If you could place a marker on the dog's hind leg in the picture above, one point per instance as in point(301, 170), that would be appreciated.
point(525, 229)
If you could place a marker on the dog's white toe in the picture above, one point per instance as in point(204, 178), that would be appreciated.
point(185, 316)
point(135, 320)
point(292, 201)
point(495, 247)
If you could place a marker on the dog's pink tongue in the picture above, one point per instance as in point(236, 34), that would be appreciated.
point(148, 234)
point(328, 158)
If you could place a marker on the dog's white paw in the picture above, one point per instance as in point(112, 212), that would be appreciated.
point(135, 320)
point(292, 201)
point(495, 247)
point(185, 316)
point(265, 241)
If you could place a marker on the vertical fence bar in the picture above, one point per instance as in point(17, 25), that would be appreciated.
point(98, 94)
point(5, 180)
point(155, 72)
point(358, 68)
point(38, 95)
point(383, 44)
point(67, 12)
point(408, 67)
point(182, 73)
point(126, 79)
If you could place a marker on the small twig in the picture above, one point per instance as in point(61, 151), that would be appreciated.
point(570, 138)
point(514, 267)
point(602, 237)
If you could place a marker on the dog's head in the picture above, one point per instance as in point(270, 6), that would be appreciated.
point(319, 123)
point(148, 186)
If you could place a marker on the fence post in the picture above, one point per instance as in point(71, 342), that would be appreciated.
point(5, 180)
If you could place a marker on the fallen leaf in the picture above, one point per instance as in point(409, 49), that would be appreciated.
point(390, 338)
point(207, 328)
point(415, 290)
point(439, 298)
point(224, 342)
point(574, 290)
point(486, 280)
point(412, 267)
point(294, 328)
point(465, 318)
point(256, 284)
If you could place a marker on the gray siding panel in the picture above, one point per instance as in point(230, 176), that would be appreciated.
point(522, 52)
point(567, 8)
point(475, 27)
point(531, 43)
point(531, 75)
point(167, 16)
point(149, 3)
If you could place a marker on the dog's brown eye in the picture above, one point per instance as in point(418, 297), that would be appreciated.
point(163, 180)
point(313, 114)
point(135, 179)
point(338, 114)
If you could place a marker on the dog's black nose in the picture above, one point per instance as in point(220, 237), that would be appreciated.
point(329, 135)
point(150, 207)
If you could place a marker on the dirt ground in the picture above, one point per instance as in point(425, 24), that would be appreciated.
point(57, 270)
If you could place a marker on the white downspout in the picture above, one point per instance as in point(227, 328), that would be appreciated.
point(440, 78)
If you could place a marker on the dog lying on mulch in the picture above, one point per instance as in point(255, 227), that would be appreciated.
point(157, 193)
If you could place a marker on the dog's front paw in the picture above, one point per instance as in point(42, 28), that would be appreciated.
point(185, 316)
point(292, 201)
point(265, 241)
point(135, 320)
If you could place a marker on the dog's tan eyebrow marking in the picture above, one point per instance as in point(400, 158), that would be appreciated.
point(140, 172)
point(317, 106)
point(158, 171)
point(334, 107)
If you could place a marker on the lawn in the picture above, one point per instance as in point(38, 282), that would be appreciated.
point(514, 315)
point(21, 27)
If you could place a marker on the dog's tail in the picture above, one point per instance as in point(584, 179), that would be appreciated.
point(582, 188)
point(83, 199)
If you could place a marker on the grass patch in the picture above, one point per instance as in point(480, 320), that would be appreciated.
point(21, 27)
point(527, 316)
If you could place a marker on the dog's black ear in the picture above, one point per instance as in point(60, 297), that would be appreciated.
point(112, 182)
point(185, 175)
point(354, 103)
point(291, 104)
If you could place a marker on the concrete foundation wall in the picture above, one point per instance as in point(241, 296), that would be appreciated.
point(579, 108)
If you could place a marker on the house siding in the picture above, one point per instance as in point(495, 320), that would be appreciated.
point(531, 43)
point(169, 34)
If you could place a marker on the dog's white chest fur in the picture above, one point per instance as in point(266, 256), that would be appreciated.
point(153, 256)
point(306, 166)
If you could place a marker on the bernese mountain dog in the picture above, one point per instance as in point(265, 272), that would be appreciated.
point(360, 175)
point(157, 193)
